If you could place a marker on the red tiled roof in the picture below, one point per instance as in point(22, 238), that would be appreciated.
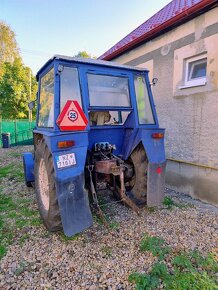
point(171, 14)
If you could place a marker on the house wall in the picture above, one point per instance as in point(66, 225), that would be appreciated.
point(189, 114)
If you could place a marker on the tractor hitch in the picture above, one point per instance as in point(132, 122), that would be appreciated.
point(110, 168)
point(94, 196)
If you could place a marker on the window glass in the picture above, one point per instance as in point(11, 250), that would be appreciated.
point(70, 88)
point(46, 111)
point(197, 69)
point(143, 103)
point(108, 91)
point(98, 118)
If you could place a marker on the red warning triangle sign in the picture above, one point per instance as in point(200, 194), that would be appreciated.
point(72, 117)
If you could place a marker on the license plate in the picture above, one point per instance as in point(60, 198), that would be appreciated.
point(65, 160)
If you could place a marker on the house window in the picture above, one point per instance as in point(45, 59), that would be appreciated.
point(196, 71)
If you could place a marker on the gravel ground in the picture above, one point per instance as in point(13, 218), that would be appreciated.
point(99, 258)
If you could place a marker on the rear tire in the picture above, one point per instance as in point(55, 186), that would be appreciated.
point(45, 188)
point(137, 186)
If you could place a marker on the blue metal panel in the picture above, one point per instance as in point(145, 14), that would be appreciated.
point(80, 140)
point(133, 97)
point(57, 95)
point(111, 135)
point(154, 147)
point(151, 98)
point(28, 164)
point(47, 69)
point(84, 91)
point(72, 196)
point(155, 184)
point(130, 142)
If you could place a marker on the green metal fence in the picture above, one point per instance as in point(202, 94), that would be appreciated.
point(20, 131)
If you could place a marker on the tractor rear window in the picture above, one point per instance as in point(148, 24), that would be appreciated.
point(70, 88)
point(98, 118)
point(143, 102)
point(46, 111)
point(108, 91)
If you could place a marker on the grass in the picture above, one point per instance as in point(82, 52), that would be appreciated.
point(23, 239)
point(184, 271)
point(6, 237)
point(169, 203)
point(114, 225)
point(6, 170)
point(15, 217)
point(12, 171)
point(21, 268)
point(68, 239)
point(17, 212)
point(14, 154)
point(106, 250)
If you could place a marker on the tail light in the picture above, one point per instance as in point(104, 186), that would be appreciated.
point(157, 135)
point(66, 144)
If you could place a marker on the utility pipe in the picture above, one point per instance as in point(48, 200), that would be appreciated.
point(192, 163)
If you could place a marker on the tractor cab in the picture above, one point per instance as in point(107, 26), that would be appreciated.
point(96, 128)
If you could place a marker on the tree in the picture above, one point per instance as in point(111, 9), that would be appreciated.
point(15, 89)
point(84, 54)
point(8, 45)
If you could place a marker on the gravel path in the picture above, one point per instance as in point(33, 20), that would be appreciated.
point(100, 258)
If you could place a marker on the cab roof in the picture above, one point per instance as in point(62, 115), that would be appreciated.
point(87, 61)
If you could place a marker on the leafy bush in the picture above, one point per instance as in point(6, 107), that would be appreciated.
point(155, 245)
point(168, 202)
point(189, 271)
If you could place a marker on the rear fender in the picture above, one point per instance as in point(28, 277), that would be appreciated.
point(154, 147)
point(155, 152)
point(72, 196)
point(28, 165)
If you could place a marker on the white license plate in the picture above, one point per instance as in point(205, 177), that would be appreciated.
point(65, 160)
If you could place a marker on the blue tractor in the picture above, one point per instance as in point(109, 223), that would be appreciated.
point(96, 128)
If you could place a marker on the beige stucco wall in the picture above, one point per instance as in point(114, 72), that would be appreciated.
point(190, 115)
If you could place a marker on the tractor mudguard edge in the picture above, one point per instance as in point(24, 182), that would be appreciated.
point(156, 184)
point(28, 164)
point(156, 161)
point(74, 205)
point(72, 196)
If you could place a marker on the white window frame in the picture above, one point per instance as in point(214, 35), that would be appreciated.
point(188, 70)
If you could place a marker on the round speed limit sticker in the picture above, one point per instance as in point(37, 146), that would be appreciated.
point(72, 115)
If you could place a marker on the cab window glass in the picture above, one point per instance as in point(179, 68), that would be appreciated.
point(143, 103)
point(70, 87)
point(46, 111)
point(99, 118)
point(108, 91)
